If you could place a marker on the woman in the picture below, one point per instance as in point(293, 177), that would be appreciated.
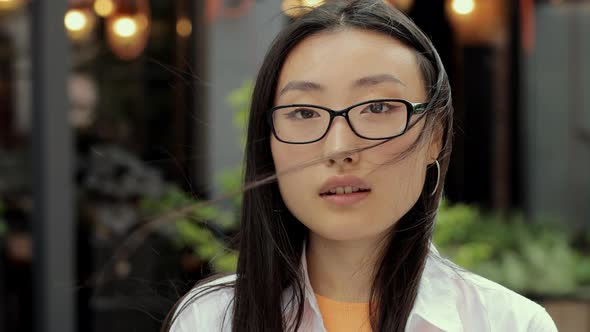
point(352, 112)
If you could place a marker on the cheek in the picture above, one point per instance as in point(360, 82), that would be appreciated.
point(395, 151)
point(403, 181)
point(396, 162)
point(295, 184)
point(287, 156)
point(399, 186)
point(400, 177)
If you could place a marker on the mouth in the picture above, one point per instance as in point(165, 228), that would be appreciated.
point(345, 195)
point(344, 190)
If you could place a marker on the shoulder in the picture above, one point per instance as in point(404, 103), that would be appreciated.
point(492, 304)
point(506, 308)
point(206, 307)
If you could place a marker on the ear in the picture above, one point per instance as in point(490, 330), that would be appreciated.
point(436, 142)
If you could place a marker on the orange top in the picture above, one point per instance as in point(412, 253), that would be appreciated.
point(344, 316)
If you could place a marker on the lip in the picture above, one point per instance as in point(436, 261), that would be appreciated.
point(343, 181)
point(346, 199)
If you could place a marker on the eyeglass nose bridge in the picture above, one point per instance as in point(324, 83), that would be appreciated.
point(343, 113)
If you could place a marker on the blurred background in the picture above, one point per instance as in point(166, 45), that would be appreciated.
point(116, 112)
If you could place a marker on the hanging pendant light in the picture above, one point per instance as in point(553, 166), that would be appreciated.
point(296, 8)
point(10, 6)
point(403, 5)
point(184, 27)
point(128, 28)
point(79, 20)
point(104, 8)
point(216, 9)
point(478, 21)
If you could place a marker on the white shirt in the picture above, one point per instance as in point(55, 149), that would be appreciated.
point(449, 299)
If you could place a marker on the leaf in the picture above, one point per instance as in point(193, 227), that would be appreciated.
point(226, 263)
point(514, 271)
point(240, 99)
point(454, 223)
point(230, 179)
point(469, 255)
point(206, 213)
point(227, 220)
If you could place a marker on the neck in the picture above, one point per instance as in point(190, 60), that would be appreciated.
point(342, 270)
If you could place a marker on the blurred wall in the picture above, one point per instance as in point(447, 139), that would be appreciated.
point(557, 120)
point(236, 49)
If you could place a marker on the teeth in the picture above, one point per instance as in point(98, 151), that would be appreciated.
point(344, 190)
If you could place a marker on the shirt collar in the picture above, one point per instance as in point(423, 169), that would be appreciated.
point(437, 296)
point(436, 301)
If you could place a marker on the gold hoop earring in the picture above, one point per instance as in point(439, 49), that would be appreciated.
point(437, 177)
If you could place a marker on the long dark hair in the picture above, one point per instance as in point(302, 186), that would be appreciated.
point(271, 239)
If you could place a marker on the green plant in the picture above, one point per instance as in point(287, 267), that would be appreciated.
point(531, 258)
point(195, 229)
point(240, 99)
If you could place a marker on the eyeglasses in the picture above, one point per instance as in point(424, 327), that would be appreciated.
point(374, 120)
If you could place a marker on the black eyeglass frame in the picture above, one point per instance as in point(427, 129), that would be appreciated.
point(412, 109)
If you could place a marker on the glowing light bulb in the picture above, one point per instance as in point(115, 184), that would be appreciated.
point(184, 28)
point(463, 7)
point(296, 8)
point(312, 3)
point(403, 5)
point(125, 27)
point(75, 20)
point(79, 23)
point(104, 8)
point(128, 28)
point(10, 5)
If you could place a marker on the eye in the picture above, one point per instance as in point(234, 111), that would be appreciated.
point(302, 114)
point(379, 108)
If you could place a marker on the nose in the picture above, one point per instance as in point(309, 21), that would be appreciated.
point(338, 142)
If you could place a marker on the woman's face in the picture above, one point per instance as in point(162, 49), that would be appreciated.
point(341, 68)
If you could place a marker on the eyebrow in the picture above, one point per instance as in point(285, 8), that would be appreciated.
point(361, 82)
point(301, 86)
point(377, 79)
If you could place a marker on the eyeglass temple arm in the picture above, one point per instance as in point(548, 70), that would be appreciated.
point(419, 108)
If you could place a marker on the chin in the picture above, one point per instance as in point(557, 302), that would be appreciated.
point(343, 231)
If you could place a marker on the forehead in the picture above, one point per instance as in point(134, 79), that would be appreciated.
point(335, 59)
